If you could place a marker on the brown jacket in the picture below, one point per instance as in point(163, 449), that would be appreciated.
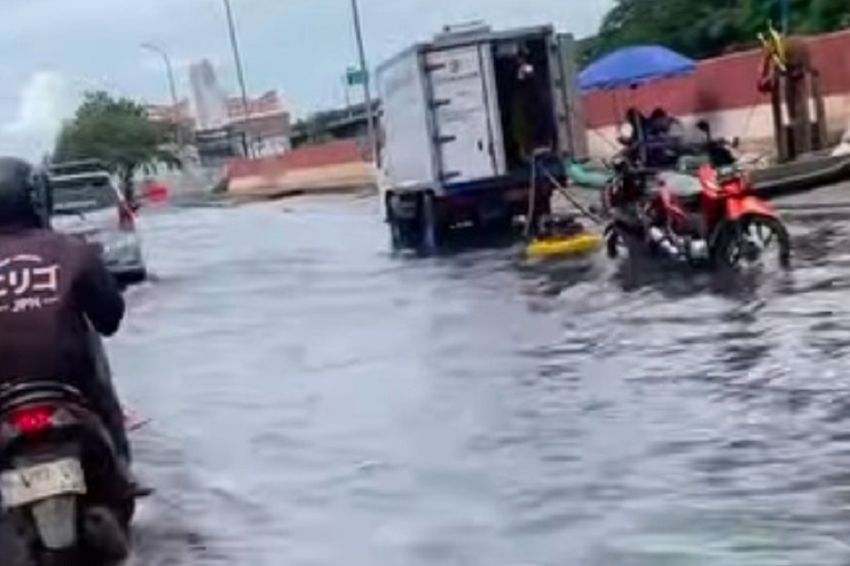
point(50, 284)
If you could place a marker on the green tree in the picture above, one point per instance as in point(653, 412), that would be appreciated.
point(692, 27)
point(827, 15)
point(118, 133)
point(701, 28)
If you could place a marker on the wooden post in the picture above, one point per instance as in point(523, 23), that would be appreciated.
point(779, 131)
point(820, 111)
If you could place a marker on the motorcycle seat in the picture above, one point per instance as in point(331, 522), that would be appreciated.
point(25, 393)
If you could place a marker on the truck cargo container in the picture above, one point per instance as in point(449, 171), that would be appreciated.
point(453, 115)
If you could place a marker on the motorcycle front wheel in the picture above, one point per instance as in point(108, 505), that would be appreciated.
point(753, 240)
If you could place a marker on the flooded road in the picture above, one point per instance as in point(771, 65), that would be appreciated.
point(316, 401)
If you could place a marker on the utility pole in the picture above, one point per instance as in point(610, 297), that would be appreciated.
point(240, 74)
point(346, 87)
point(367, 94)
point(175, 104)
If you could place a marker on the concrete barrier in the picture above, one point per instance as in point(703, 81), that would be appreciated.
point(333, 167)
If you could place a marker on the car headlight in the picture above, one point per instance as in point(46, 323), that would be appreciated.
point(118, 245)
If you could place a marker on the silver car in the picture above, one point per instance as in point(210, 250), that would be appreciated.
point(90, 206)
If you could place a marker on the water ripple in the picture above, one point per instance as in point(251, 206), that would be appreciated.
point(318, 401)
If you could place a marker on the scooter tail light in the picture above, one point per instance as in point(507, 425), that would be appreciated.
point(32, 419)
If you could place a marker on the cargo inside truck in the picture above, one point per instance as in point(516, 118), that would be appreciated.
point(524, 87)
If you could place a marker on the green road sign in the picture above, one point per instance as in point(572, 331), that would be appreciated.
point(355, 76)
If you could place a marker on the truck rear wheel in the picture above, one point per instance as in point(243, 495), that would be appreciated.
point(405, 234)
point(414, 222)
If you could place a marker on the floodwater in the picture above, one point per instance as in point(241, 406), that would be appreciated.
point(317, 401)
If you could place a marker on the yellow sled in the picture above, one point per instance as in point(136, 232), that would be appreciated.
point(564, 245)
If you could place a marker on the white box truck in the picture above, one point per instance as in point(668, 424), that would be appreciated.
point(461, 116)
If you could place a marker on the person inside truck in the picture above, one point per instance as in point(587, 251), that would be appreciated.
point(530, 123)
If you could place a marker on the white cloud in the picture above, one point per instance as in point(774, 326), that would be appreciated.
point(45, 101)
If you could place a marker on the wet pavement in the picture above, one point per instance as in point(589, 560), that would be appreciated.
point(317, 401)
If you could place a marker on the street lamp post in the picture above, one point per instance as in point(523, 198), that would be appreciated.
point(172, 86)
point(240, 73)
point(364, 69)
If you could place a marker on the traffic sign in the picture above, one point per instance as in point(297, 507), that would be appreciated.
point(355, 76)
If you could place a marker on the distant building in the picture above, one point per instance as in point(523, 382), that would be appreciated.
point(218, 146)
point(341, 123)
point(267, 127)
point(170, 114)
point(266, 105)
point(211, 108)
point(218, 127)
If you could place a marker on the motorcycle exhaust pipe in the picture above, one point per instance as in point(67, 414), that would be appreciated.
point(659, 238)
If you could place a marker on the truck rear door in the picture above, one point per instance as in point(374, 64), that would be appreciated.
point(465, 116)
point(569, 114)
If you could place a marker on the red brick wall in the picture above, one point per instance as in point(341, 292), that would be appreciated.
point(718, 84)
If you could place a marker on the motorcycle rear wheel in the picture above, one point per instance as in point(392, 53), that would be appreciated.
point(750, 241)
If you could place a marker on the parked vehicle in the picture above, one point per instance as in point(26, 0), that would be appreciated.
point(88, 204)
point(61, 490)
point(461, 117)
point(712, 219)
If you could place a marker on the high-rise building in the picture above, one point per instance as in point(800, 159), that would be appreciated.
point(210, 102)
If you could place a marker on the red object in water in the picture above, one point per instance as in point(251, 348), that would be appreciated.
point(156, 191)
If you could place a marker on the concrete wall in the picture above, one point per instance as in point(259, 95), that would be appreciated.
point(723, 91)
point(334, 166)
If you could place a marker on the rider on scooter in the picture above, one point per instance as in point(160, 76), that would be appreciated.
point(53, 290)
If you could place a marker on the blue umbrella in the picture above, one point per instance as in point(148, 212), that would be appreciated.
point(634, 65)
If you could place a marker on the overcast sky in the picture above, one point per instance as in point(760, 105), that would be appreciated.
point(54, 50)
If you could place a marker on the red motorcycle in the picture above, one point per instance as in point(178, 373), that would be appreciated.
point(712, 220)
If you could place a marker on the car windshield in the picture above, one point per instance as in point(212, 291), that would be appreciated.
point(82, 195)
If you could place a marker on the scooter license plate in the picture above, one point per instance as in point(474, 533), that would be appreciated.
point(23, 486)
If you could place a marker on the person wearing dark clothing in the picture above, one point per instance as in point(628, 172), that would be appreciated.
point(658, 125)
point(56, 295)
point(651, 142)
point(633, 135)
point(530, 124)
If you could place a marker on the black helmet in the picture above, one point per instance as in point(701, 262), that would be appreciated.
point(24, 195)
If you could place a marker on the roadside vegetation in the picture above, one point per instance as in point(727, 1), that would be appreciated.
point(117, 132)
point(700, 28)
